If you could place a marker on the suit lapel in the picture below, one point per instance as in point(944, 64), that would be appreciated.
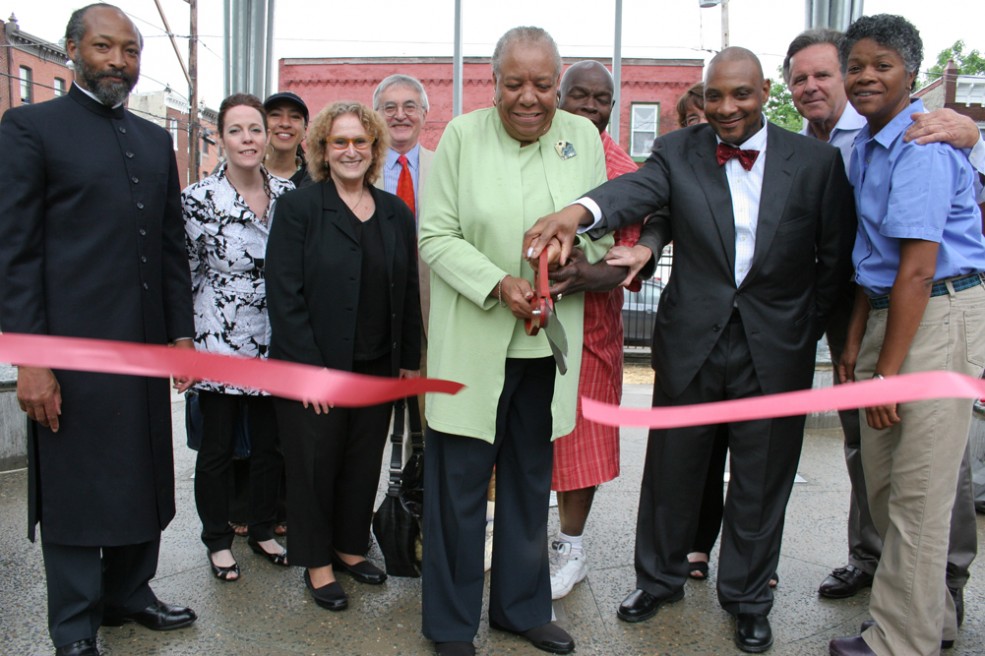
point(332, 208)
point(702, 160)
point(388, 229)
point(773, 197)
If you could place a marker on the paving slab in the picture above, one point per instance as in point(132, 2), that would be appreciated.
point(269, 613)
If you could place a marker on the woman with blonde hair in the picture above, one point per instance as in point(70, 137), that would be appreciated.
point(342, 280)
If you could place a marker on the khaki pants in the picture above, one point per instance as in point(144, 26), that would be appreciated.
point(911, 473)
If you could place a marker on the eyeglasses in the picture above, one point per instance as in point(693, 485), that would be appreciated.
point(410, 108)
point(359, 143)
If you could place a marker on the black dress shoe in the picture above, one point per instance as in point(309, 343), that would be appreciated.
point(331, 596)
point(641, 605)
point(844, 582)
point(159, 616)
point(454, 649)
point(85, 647)
point(363, 571)
point(548, 637)
point(853, 646)
point(279, 559)
point(753, 633)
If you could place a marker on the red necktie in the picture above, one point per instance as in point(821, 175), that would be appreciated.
point(725, 152)
point(405, 184)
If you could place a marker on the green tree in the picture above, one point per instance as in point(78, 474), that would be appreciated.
point(779, 107)
point(969, 63)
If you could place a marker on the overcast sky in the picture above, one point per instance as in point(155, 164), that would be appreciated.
point(331, 28)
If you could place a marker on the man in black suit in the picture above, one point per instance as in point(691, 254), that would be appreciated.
point(763, 223)
point(92, 245)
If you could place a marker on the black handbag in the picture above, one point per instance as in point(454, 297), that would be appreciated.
point(397, 522)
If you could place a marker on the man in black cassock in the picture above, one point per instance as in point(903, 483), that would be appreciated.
point(92, 245)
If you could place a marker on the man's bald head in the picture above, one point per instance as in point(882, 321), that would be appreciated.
point(587, 90)
point(736, 54)
point(735, 92)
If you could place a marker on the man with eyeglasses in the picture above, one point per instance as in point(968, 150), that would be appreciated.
point(403, 103)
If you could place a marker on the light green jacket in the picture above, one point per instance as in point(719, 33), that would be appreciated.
point(471, 235)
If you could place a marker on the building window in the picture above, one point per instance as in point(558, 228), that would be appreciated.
point(27, 85)
point(59, 87)
point(645, 123)
point(173, 129)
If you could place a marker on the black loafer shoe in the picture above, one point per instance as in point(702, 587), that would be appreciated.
point(844, 582)
point(159, 616)
point(548, 637)
point(331, 596)
point(454, 649)
point(641, 605)
point(363, 571)
point(85, 647)
point(945, 644)
point(853, 646)
point(753, 633)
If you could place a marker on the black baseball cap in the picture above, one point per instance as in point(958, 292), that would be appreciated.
point(286, 96)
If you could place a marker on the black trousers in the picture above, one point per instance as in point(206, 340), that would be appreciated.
point(764, 456)
point(213, 468)
point(333, 472)
point(713, 496)
point(456, 476)
point(85, 582)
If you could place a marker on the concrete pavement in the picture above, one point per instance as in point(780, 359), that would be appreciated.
point(269, 612)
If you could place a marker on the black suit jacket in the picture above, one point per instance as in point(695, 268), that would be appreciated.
point(92, 245)
point(802, 258)
point(313, 270)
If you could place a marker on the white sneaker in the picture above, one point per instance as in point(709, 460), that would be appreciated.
point(487, 562)
point(567, 568)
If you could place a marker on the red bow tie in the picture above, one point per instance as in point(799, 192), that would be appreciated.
point(725, 152)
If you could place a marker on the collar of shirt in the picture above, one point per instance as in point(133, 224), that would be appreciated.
point(746, 188)
point(844, 132)
point(413, 157)
point(93, 96)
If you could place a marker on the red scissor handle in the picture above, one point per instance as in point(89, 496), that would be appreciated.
point(542, 301)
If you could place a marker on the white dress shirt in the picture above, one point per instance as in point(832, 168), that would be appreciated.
point(746, 188)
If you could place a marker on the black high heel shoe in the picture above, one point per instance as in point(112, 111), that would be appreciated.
point(224, 573)
point(279, 559)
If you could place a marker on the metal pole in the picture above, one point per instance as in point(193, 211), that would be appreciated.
point(616, 75)
point(456, 67)
point(725, 28)
point(269, 50)
point(194, 129)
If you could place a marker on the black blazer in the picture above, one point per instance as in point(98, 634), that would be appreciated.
point(313, 270)
point(802, 261)
point(92, 245)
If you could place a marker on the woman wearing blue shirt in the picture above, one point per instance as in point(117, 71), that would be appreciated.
point(919, 257)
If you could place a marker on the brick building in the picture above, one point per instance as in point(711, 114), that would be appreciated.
point(32, 70)
point(650, 89)
point(965, 94)
point(170, 111)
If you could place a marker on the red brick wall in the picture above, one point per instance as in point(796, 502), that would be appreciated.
point(44, 72)
point(323, 81)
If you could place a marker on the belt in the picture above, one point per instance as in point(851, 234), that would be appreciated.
point(939, 289)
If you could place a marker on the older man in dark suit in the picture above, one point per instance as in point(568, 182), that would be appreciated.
point(91, 245)
point(763, 222)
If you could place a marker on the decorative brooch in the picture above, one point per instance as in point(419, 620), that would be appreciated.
point(565, 150)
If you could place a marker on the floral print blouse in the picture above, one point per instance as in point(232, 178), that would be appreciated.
point(226, 243)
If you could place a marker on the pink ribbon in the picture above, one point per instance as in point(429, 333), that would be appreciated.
point(895, 389)
point(285, 379)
